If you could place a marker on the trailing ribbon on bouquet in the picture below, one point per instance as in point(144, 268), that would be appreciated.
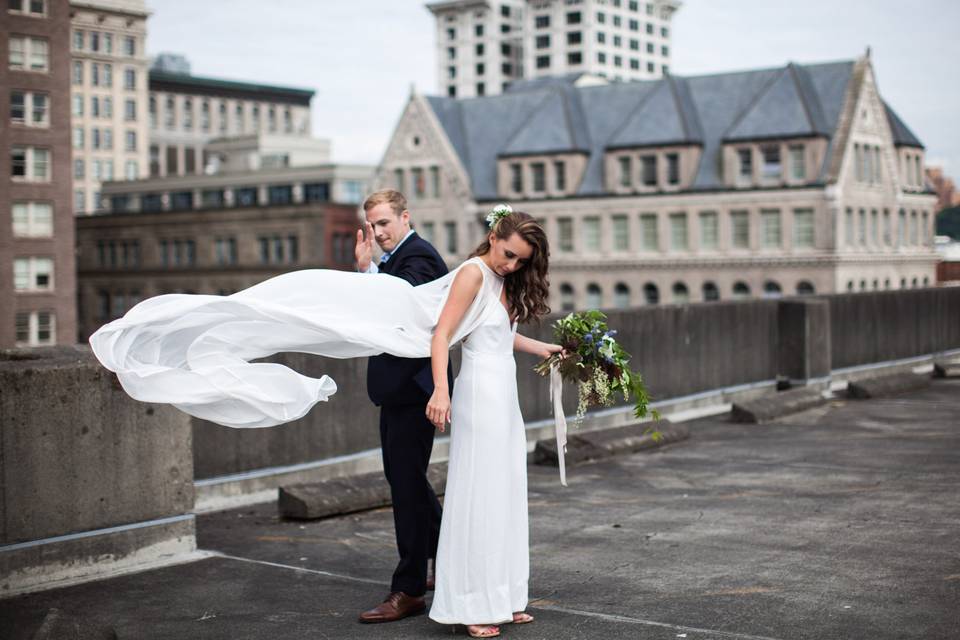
point(560, 420)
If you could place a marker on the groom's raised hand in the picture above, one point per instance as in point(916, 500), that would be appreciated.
point(363, 252)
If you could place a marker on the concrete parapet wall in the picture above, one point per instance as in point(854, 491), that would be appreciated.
point(78, 455)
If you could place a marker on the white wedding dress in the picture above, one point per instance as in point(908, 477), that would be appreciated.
point(483, 557)
point(193, 351)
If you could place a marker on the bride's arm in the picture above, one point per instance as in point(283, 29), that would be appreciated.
point(463, 290)
point(536, 347)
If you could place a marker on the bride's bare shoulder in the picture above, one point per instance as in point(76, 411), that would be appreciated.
point(469, 277)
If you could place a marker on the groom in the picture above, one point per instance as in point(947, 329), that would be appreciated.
point(401, 387)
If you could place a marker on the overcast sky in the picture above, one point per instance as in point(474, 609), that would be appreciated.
point(362, 56)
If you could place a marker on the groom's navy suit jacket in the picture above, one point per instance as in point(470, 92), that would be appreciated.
point(403, 381)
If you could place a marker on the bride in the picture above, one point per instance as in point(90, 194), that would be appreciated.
point(482, 564)
point(195, 352)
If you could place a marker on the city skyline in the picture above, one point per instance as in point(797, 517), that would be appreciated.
point(361, 94)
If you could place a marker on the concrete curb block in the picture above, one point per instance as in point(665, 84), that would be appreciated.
point(776, 406)
point(886, 385)
point(946, 369)
point(596, 445)
point(338, 496)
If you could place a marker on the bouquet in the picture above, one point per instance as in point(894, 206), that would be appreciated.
point(598, 364)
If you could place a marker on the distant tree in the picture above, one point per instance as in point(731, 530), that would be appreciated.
point(948, 223)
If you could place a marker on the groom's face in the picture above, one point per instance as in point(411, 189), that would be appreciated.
point(388, 227)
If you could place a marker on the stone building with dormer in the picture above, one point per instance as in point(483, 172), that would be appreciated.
point(792, 180)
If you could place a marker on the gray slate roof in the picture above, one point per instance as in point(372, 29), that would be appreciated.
point(541, 116)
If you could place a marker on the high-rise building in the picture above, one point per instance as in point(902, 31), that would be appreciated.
point(109, 98)
point(187, 113)
point(37, 273)
point(484, 45)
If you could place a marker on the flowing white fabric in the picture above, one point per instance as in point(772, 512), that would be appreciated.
point(192, 351)
point(560, 420)
point(483, 555)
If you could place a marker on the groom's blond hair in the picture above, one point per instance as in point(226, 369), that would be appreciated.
point(394, 198)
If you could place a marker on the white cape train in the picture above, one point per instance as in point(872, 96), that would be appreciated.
point(193, 351)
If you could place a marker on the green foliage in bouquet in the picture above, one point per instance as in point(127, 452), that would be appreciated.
point(597, 363)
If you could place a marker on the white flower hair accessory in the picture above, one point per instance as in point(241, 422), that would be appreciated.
point(499, 211)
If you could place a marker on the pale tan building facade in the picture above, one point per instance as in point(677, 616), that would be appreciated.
point(108, 105)
point(666, 202)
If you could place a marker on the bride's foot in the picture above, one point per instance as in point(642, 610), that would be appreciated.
point(522, 617)
point(483, 630)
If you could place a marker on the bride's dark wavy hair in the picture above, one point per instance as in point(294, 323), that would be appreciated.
point(528, 287)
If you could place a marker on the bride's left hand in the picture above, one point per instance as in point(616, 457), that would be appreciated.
point(550, 349)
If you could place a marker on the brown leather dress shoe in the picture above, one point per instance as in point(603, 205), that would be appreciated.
point(397, 606)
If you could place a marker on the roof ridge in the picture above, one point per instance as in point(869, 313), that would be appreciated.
point(753, 103)
point(640, 105)
point(809, 99)
point(532, 114)
point(570, 101)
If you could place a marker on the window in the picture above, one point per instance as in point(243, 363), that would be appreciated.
point(649, 29)
point(745, 158)
point(34, 328)
point(574, 37)
point(673, 168)
point(573, 17)
point(709, 230)
point(435, 182)
point(626, 170)
point(316, 192)
point(560, 175)
point(130, 46)
point(574, 57)
point(862, 228)
point(739, 229)
point(803, 228)
point(806, 288)
point(565, 233)
point(451, 34)
point(601, 57)
point(78, 39)
point(480, 68)
point(591, 234)
point(681, 294)
point(108, 75)
point(887, 235)
point(648, 232)
point(226, 250)
point(419, 184)
point(770, 229)
point(205, 116)
point(539, 171)
point(567, 298)
point(245, 197)
point(617, 41)
point(33, 274)
point(616, 21)
point(79, 169)
point(280, 194)
point(187, 114)
point(678, 231)
point(32, 219)
point(131, 170)
point(516, 178)
point(542, 22)
point(798, 170)
point(108, 43)
point(601, 37)
point(222, 112)
point(594, 296)
point(634, 64)
point(771, 289)
point(651, 294)
point(741, 290)
point(771, 161)
point(710, 292)
point(649, 170)
point(77, 72)
point(543, 41)
point(29, 109)
point(480, 49)
point(450, 231)
point(914, 236)
point(29, 164)
point(130, 141)
point(130, 110)
point(621, 232)
point(874, 227)
point(28, 54)
point(478, 30)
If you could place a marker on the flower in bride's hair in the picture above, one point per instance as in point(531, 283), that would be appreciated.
point(499, 211)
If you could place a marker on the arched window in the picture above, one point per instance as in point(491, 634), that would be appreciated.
point(741, 290)
point(594, 296)
point(863, 285)
point(567, 302)
point(651, 295)
point(886, 283)
point(621, 296)
point(914, 283)
point(926, 281)
point(805, 288)
point(710, 292)
point(876, 284)
point(681, 295)
point(771, 289)
point(903, 283)
point(851, 286)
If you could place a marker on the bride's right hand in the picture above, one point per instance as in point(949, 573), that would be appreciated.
point(438, 409)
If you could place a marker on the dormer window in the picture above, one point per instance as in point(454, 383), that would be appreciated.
point(798, 169)
point(516, 177)
point(772, 169)
point(625, 171)
point(673, 168)
point(539, 177)
point(649, 170)
point(745, 158)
